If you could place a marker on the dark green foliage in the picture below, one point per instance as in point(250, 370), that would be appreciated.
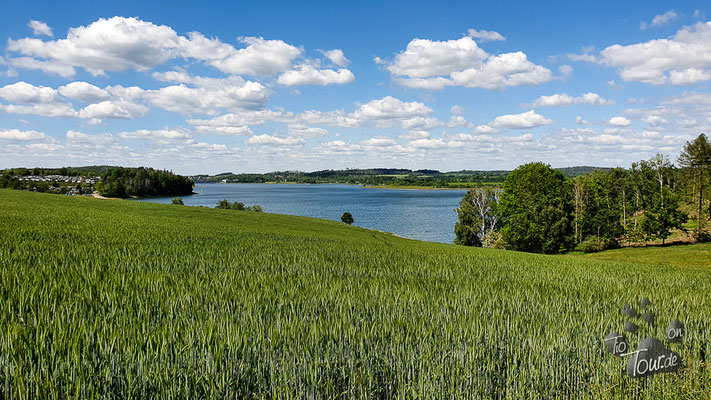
point(477, 216)
point(177, 201)
point(536, 207)
point(226, 205)
point(384, 177)
point(347, 218)
point(142, 182)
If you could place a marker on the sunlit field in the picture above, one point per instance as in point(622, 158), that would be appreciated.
point(121, 299)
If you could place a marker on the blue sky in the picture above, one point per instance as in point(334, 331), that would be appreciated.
point(253, 87)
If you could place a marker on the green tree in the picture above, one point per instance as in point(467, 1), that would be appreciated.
point(224, 204)
point(536, 207)
point(477, 214)
point(177, 201)
point(347, 218)
point(696, 158)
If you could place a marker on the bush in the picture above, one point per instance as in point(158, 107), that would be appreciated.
point(493, 240)
point(347, 218)
point(592, 244)
point(223, 204)
point(177, 201)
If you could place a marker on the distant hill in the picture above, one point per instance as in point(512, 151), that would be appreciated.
point(384, 177)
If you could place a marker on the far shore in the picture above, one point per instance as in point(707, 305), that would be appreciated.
point(352, 184)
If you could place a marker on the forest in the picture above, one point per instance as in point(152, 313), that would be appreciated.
point(542, 211)
point(105, 180)
point(392, 177)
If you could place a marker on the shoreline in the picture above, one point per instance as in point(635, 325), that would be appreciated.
point(350, 184)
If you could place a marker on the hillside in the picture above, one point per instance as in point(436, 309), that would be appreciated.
point(118, 299)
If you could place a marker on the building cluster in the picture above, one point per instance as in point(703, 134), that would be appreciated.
point(60, 178)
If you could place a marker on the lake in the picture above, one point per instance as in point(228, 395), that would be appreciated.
point(417, 214)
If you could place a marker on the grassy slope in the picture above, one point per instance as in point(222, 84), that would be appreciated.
point(684, 255)
point(124, 299)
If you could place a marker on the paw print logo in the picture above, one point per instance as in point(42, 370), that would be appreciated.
point(651, 356)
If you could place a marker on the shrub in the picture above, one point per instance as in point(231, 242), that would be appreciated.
point(347, 218)
point(177, 201)
point(493, 240)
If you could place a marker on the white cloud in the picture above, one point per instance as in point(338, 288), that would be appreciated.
point(275, 140)
point(304, 131)
point(684, 57)
point(161, 135)
point(428, 143)
point(660, 20)
point(119, 44)
point(485, 129)
point(49, 67)
point(260, 58)
point(565, 70)
point(456, 120)
point(528, 119)
point(23, 92)
point(114, 44)
point(619, 121)
point(110, 109)
point(186, 100)
point(391, 108)
point(434, 65)
point(308, 75)
point(40, 100)
point(485, 36)
point(40, 28)
point(379, 141)
point(336, 56)
point(14, 134)
point(413, 135)
point(689, 76)
point(564, 99)
point(83, 91)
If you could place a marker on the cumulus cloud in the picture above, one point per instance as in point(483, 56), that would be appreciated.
point(307, 75)
point(40, 28)
point(14, 134)
point(619, 121)
point(336, 56)
point(120, 44)
point(564, 99)
point(682, 60)
point(161, 135)
point(485, 36)
point(272, 140)
point(117, 109)
point(434, 65)
point(660, 20)
point(23, 92)
point(391, 108)
point(233, 95)
point(83, 91)
point(259, 58)
point(528, 119)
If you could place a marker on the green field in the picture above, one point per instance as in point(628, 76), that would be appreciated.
point(120, 299)
point(683, 255)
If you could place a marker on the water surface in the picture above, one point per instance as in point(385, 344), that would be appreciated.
point(418, 214)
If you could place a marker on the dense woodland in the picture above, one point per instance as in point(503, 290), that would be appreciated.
point(111, 181)
point(541, 210)
point(383, 177)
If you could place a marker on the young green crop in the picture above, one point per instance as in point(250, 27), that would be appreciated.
point(120, 299)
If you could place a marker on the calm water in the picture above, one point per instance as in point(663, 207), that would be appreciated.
point(418, 214)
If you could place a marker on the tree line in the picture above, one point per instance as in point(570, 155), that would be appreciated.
point(540, 210)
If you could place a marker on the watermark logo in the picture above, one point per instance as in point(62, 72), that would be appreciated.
point(651, 356)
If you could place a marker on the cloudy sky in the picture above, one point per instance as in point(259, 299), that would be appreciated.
point(249, 87)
